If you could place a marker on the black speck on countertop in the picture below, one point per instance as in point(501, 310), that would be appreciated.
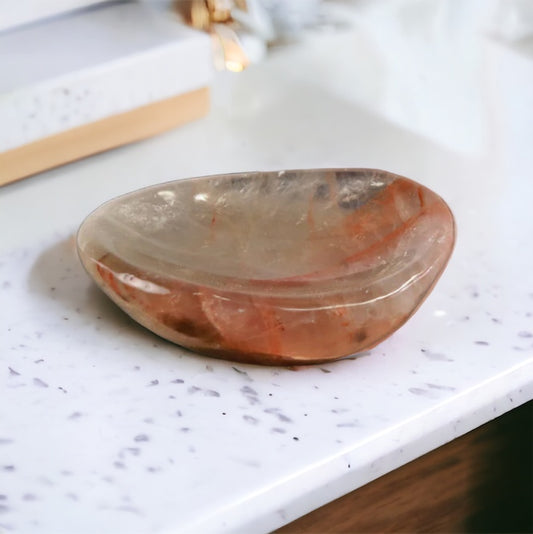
point(244, 374)
point(437, 386)
point(418, 391)
point(277, 412)
point(152, 469)
point(250, 419)
point(435, 356)
point(250, 394)
point(348, 424)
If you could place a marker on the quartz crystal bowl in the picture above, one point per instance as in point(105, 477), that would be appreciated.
point(286, 267)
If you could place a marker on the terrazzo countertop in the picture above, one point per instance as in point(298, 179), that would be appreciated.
point(106, 428)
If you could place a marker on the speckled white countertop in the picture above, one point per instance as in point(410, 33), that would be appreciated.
point(106, 428)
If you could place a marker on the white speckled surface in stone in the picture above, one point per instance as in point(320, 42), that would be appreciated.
point(104, 427)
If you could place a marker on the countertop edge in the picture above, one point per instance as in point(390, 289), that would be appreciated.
point(321, 483)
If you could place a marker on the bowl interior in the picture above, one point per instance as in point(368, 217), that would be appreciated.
point(254, 226)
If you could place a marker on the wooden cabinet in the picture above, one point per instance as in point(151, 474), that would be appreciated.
point(480, 482)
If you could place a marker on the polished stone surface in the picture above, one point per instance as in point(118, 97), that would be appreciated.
point(276, 267)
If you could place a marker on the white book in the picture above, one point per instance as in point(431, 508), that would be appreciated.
point(18, 12)
point(73, 70)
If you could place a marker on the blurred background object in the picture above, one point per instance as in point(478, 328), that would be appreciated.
point(242, 29)
point(93, 79)
point(83, 76)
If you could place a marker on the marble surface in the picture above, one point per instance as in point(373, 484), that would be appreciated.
point(106, 428)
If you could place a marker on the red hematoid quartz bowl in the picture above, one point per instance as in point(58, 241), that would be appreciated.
point(282, 267)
